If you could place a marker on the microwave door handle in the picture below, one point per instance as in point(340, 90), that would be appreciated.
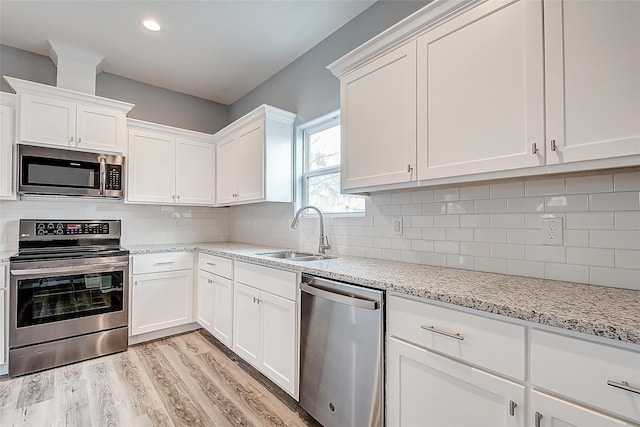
point(103, 175)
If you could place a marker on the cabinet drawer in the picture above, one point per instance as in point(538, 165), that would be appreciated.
point(216, 265)
point(166, 261)
point(3, 271)
point(493, 344)
point(581, 369)
point(277, 282)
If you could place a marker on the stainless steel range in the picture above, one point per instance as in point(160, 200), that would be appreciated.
point(68, 293)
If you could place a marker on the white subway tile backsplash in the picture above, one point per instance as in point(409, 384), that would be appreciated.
point(507, 251)
point(614, 239)
point(383, 243)
point(475, 221)
point(422, 245)
point(627, 220)
point(411, 210)
point(490, 235)
point(544, 187)
point(491, 206)
point(461, 261)
point(525, 204)
point(475, 249)
point(392, 254)
point(590, 256)
point(410, 256)
point(422, 221)
point(446, 194)
point(392, 210)
point(627, 259)
point(626, 181)
point(507, 189)
point(460, 234)
point(422, 196)
point(575, 203)
point(624, 201)
point(460, 207)
point(446, 247)
point(507, 220)
point(545, 253)
point(525, 268)
point(434, 208)
point(446, 221)
point(432, 258)
point(491, 265)
point(566, 272)
point(401, 198)
point(474, 192)
point(434, 234)
point(589, 220)
point(525, 236)
point(590, 184)
point(382, 199)
point(616, 277)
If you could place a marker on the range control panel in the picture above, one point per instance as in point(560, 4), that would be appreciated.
point(70, 228)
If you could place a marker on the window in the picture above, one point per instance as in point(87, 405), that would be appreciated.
point(321, 168)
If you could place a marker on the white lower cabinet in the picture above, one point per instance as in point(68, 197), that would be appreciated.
point(215, 296)
point(549, 411)
point(265, 322)
point(3, 317)
point(425, 389)
point(162, 292)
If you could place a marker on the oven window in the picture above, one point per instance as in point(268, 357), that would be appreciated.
point(51, 299)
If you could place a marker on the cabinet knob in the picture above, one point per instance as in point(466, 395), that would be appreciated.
point(534, 148)
point(512, 408)
point(71, 139)
point(79, 140)
point(409, 168)
point(554, 147)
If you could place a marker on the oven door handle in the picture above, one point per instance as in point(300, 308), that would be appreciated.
point(96, 268)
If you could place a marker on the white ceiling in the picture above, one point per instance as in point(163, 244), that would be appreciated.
point(214, 49)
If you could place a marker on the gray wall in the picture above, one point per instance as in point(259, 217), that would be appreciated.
point(153, 103)
point(305, 86)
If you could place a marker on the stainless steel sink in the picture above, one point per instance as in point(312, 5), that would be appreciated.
point(295, 255)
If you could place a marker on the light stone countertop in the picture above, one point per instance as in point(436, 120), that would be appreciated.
point(5, 255)
point(612, 313)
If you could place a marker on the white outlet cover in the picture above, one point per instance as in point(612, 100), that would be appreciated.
point(552, 231)
point(396, 226)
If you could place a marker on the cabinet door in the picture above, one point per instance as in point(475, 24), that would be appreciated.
point(279, 340)
point(161, 300)
point(246, 323)
point(100, 128)
point(592, 78)
point(195, 172)
point(205, 296)
point(481, 91)
point(425, 389)
point(554, 412)
point(6, 152)
point(222, 309)
point(226, 171)
point(378, 115)
point(48, 121)
point(3, 319)
point(250, 162)
point(151, 170)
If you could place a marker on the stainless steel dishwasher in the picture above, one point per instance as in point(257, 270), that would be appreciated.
point(341, 353)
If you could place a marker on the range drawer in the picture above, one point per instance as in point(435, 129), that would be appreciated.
point(165, 261)
point(582, 370)
point(489, 343)
point(278, 282)
point(216, 265)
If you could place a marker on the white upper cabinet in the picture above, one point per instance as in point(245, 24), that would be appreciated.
point(503, 88)
point(593, 79)
point(481, 91)
point(53, 116)
point(7, 187)
point(378, 115)
point(255, 158)
point(169, 166)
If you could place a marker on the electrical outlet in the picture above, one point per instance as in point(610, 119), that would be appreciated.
point(397, 226)
point(552, 232)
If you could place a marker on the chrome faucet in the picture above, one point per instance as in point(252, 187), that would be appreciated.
point(324, 241)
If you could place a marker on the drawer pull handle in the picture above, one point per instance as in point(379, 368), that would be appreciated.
point(165, 263)
point(624, 385)
point(537, 419)
point(212, 264)
point(442, 332)
point(512, 408)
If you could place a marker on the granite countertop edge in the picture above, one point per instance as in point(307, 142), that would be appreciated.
point(585, 308)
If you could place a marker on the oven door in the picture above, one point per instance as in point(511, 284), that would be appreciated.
point(50, 300)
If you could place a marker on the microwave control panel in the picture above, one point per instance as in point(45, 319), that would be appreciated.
point(70, 228)
point(114, 177)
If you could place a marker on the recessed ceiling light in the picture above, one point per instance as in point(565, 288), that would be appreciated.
point(151, 24)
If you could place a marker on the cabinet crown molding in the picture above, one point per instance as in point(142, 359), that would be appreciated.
point(264, 111)
point(179, 132)
point(406, 30)
point(33, 88)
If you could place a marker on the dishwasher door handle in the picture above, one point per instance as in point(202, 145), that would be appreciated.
point(339, 298)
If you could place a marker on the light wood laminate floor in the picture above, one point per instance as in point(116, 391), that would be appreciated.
point(184, 380)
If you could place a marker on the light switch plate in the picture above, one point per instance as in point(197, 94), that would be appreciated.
point(396, 226)
point(552, 231)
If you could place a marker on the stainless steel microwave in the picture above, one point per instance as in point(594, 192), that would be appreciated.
point(55, 171)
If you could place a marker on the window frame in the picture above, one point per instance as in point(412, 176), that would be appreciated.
point(302, 161)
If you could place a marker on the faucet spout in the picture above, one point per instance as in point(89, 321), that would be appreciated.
point(324, 240)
